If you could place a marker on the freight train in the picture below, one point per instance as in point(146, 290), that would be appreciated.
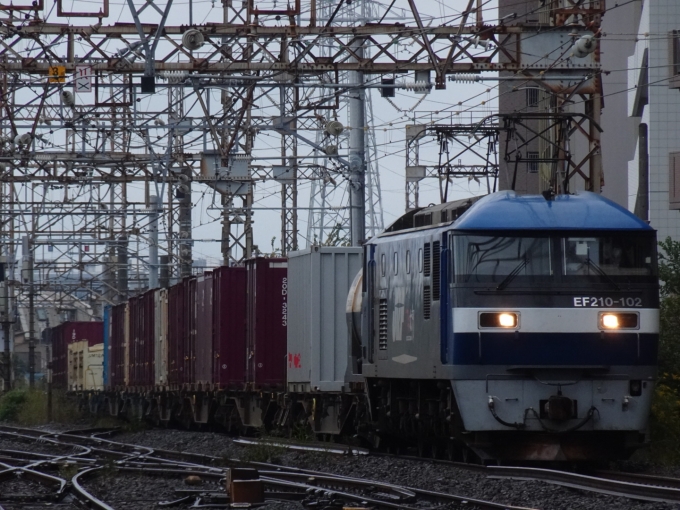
point(508, 327)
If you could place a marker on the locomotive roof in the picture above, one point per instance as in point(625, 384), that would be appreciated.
point(507, 210)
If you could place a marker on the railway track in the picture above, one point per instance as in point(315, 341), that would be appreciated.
point(616, 483)
point(87, 454)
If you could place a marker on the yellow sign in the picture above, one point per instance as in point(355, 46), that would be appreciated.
point(57, 74)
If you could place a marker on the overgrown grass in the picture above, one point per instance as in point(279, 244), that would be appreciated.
point(263, 452)
point(29, 407)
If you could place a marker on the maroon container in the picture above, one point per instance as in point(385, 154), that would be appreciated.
point(176, 332)
point(68, 333)
point(203, 363)
point(190, 329)
point(141, 353)
point(267, 318)
point(117, 343)
point(229, 327)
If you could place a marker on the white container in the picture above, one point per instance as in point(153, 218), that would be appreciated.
point(319, 279)
point(85, 366)
point(161, 336)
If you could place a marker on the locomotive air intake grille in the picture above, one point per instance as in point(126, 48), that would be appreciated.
point(427, 301)
point(436, 253)
point(382, 325)
point(426, 259)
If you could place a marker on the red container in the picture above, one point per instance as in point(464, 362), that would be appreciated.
point(229, 327)
point(203, 346)
point(190, 329)
point(68, 333)
point(118, 336)
point(267, 320)
point(176, 333)
point(141, 353)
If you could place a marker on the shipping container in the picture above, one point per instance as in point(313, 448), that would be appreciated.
point(190, 329)
point(229, 327)
point(68, 333)
point(142, 332)
point(118, 345)
point(106, 373)
point(267, 319)
point(161, 336)
point(203, 340)
point(318, 340)
point(85, 366)
point(180, 352)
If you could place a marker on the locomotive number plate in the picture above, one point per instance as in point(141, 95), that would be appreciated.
point(598, 302)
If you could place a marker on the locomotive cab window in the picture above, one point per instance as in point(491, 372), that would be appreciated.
point(382, 264)
point(611, 256)
point(408, 261)
point(420, 260)
point(500, 260)
point(396, 262)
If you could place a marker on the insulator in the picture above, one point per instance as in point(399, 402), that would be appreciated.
point(68, 98)
point(192, 39)
point(331, 150)
point(334, 128)
point(465, 78)
point(174, 76)
point(24, 139)
point(417, 86)
point(584, 46)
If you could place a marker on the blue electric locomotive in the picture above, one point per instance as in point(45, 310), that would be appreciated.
point(514, 327)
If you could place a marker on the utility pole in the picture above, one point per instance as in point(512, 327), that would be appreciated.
point(153, 242)
point(28, 280)
point(357, 151)
point(5, 314)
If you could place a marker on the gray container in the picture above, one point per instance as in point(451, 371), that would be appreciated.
point(319, 279)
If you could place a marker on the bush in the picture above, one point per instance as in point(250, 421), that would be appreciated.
point(665, 418)
point(11, 404)
point(29, 407)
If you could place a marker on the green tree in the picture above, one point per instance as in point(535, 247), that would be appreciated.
point(669, 267)
point(665, 422)
point(669, 320)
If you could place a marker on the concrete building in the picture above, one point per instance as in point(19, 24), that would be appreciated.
point(653, 104)
point(640, 56)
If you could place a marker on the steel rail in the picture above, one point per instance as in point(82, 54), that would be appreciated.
point(442, 497)
point(310, 447)
point(609, 486)
point(661, 481)
point(90, 500)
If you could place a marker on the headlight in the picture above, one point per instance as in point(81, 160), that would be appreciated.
point(498, 319)
point(619, 320)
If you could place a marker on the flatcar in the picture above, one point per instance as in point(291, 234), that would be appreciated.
point(525, 328)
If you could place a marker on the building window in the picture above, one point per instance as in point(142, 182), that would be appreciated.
point(532, 97)
point(675, 52)
point(674, 181)
point(532, 162)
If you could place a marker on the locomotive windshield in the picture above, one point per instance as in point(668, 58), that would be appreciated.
point(526, 259)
